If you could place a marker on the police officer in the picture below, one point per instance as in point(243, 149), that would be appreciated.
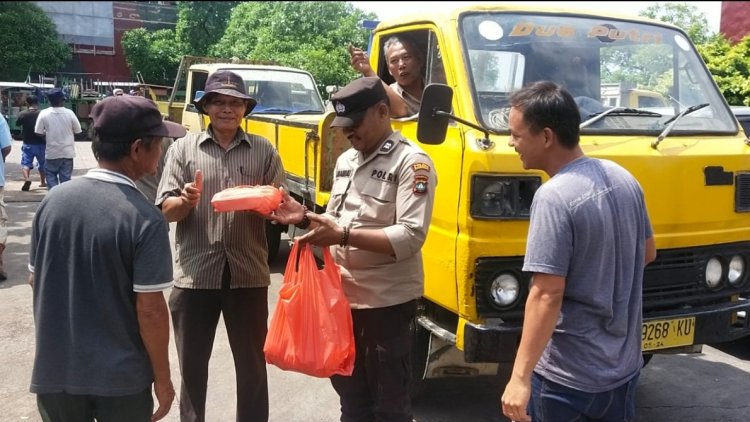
point(376, 223)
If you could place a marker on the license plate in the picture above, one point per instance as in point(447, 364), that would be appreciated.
point(661, 334)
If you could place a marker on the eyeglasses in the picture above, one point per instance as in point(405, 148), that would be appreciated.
point(222, 104)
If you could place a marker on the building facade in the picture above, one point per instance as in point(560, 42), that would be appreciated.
point(735, 20)
point(94, 31)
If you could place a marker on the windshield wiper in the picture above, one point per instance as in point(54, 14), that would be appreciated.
point(673, 121)
point(617, 111)
point(307, 111)
point(271, 110)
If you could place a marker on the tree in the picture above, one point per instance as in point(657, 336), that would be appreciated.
point(28, 42)
point(309, 35)
point(155, 54)
point(730, 67)
point(201, 24)
point(683, 15)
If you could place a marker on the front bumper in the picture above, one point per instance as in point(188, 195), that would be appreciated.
point(498, 342)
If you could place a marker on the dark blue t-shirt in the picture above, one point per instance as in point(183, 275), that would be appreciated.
point(96, 241)
point(27, 121)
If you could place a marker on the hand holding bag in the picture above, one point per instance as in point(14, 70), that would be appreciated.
point(311, 328)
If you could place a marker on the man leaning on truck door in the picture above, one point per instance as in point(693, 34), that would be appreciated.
point(405, 63)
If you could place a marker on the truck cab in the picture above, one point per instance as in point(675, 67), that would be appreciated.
point(673, 130)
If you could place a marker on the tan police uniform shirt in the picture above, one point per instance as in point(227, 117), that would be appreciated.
point(393, 189)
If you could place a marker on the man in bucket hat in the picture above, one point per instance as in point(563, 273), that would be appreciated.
point(102, 324)
point(376, 223)
point(221, 264)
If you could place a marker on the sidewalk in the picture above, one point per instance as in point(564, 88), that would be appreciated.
point(83, 161)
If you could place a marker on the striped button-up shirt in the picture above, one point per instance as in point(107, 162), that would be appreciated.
point(207, 240)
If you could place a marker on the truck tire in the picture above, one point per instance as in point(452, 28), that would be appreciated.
point(273, 240)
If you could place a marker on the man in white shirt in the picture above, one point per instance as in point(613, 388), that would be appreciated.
point(60, 126)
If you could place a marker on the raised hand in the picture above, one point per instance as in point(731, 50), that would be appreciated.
point(191, 193)
point(360, 62)
point(289, 211)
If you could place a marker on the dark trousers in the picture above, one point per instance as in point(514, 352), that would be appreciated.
point(551, 401)
point(378, 389)
point(64, 407)
point(195, 314)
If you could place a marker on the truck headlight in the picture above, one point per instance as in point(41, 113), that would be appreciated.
point(504, 291)
point(713, 273)
point(736, 273)
point(502, 197)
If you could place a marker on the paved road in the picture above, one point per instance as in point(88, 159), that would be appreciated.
point(712, 386)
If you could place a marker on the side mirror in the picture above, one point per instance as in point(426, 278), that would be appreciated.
point(434, 114)
point(198, 95)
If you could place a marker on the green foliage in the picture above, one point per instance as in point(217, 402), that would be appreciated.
point(683, 15)
point(155, 54)
point(730, 67)
point(309, 35)
point(28, 42)
point(200, 24)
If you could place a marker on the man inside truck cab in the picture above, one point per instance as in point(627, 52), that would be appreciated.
point(405, 63)
point(589, 240)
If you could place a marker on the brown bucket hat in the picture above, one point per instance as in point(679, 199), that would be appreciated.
point(228, 83)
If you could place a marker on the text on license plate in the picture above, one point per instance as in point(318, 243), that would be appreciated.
point(661, 334)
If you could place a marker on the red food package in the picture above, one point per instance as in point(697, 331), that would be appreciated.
point(261, 199)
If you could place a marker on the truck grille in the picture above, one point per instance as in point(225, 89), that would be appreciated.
point(675, 278)
point(742, 192)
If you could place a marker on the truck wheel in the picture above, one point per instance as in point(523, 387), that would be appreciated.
point(273, 240)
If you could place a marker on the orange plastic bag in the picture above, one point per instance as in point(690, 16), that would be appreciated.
point(311, 329)
point(261, 199)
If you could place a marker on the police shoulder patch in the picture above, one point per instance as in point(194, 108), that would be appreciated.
point(387, 146)
point(420, 166)
point(420, 184)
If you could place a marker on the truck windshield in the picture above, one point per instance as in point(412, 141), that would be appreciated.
point(282, 91)
point(605, 63)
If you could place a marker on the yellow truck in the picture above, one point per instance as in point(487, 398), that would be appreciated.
point(688, 154)
point(619, 95)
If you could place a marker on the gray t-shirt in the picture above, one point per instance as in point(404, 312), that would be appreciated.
point(589, 224)
point(95, 242)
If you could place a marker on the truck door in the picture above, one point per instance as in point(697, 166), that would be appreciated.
point(191, 118)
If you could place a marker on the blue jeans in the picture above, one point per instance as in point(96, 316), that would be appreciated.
point(58, 170)
point(31, 151)
point(551, 401)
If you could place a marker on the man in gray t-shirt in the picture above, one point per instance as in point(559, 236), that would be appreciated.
point(589, 240)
